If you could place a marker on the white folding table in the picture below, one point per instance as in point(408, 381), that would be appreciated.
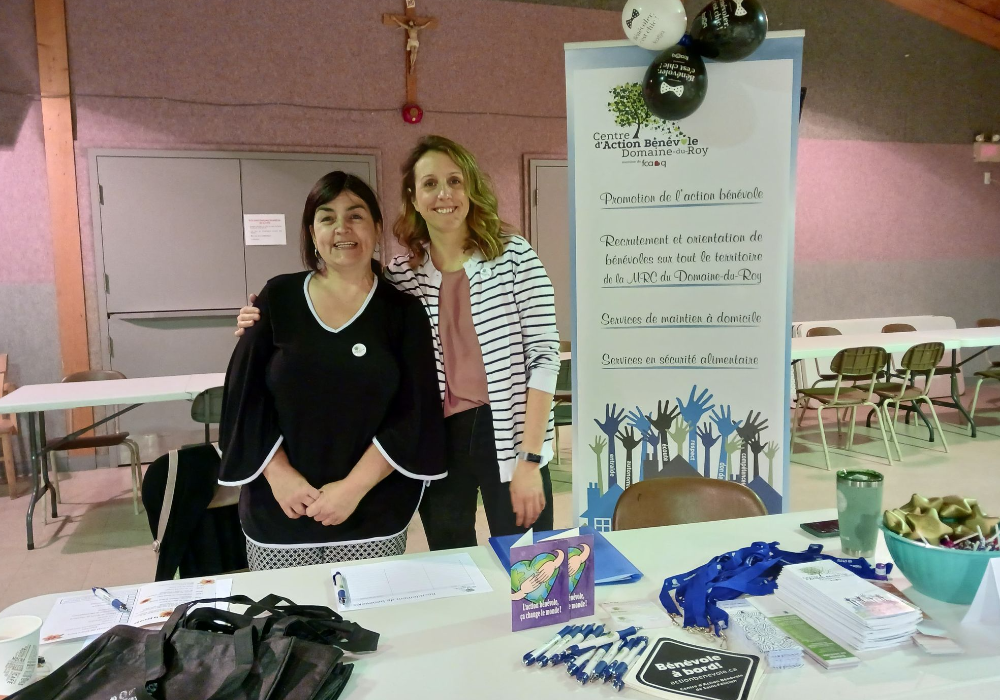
point(953, 339)
point(35, 399)
point(462, 647)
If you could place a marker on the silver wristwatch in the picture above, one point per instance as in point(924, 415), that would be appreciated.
point(529, 457)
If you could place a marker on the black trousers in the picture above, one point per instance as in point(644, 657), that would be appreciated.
point(448, 508)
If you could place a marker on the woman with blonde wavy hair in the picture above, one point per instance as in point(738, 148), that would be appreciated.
point(493, 320)
point(496, 346)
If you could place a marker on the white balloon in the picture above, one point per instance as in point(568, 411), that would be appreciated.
point(654, 24)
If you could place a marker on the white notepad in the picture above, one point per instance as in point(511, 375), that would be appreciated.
point(394, 582)
point(84, 615)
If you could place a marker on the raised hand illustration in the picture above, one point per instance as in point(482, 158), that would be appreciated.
point(771, 452)
point(598, 448)
point(691, 412)
point(723, 419)
point(654, 441)
point(641, 423)
point(664, 419)
point(629, 442)
point(612, 420)
point(756, 447)
point(732, 446)
point(679, 434)
point(750, 429)
point(708, 439)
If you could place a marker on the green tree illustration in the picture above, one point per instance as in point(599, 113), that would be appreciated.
point(628, 107)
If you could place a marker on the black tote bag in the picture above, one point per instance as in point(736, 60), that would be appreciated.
point(292, 653)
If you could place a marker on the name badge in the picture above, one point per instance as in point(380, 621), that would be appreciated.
point(359, 350)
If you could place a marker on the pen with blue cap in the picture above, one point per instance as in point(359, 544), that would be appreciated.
point(564, 642)
point(534, 655)
point(577, 664)
point(623, 653)
point(601, 641)
point(623, 667)
point(340, 583)
point(588, 671)
point(588, 632)
point(102, 593)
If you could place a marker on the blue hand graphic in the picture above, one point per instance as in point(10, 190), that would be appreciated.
point(691, 412)
point(612, 420)
point(723, 418)
point(708, 439)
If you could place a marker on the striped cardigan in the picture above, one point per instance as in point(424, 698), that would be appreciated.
point(513, 310)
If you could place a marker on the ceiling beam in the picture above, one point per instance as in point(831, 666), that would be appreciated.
point(957, 16)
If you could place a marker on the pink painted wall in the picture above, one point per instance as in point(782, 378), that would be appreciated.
point(491, 76)
point(881, 201)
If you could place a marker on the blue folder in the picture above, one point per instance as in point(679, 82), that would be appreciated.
point(612, 566)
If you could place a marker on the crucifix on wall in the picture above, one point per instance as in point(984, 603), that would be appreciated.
point(413, 25)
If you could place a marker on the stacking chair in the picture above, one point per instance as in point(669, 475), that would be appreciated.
point(683, 499)
point(8, 429)
point(110, 440)
point(982, 375)
point(821, 331)
point(851, 365)
point(919, 361)
point(989, 323)
point(207, 409)
point(563, 406)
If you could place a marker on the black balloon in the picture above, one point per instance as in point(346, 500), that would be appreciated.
point(729, 30)
point(675, 83)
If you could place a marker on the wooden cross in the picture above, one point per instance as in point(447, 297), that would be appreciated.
point(413, 25)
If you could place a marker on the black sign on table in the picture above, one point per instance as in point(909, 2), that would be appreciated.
point(698, 672)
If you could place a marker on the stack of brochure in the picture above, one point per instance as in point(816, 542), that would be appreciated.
point(846, 607)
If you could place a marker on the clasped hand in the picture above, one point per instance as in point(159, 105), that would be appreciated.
point(330, 505)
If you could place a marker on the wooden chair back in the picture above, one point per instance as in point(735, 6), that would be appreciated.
point(683, 499)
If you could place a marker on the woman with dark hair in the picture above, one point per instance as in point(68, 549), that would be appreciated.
point(495, 343)
point(331, 414)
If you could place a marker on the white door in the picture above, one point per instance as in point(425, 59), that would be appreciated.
point(550, 233)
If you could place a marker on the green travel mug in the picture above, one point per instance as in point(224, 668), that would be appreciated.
point(859, 507)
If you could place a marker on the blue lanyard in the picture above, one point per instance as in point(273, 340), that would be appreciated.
point(752, 570)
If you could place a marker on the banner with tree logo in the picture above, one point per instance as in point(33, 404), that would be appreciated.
point(682, 240)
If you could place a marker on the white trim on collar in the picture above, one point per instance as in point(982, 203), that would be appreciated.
point(305, 291)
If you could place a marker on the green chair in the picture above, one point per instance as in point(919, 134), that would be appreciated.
point(207, 409)
point(861, 364)
point(919, 361)
point(992, 373)
point(563, 407)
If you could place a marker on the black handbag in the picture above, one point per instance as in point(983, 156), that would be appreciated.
point(293, 652)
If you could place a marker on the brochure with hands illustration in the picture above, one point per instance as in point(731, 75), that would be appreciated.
point(552, 580)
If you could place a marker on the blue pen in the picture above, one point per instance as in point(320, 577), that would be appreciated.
point(340, 583)
point(533, 655)
point(587, 672)
point(103, 594)
point(567, 638)
point(574, 649)
point(619, 681)
point(610, 658)
point(601, 641)
point(578, 663)
point(623, 653)
point(558, 658)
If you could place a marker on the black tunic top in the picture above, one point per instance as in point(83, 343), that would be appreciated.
point(326, 395)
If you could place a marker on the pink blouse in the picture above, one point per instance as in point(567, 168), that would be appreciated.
point(465, 374)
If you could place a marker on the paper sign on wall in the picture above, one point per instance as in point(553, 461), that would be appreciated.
point(264, 229)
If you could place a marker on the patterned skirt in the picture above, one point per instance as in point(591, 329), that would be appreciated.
point(261, 556)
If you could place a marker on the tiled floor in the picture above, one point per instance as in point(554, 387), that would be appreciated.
point(98, 541)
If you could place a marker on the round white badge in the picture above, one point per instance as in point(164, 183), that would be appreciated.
point(359, 350)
